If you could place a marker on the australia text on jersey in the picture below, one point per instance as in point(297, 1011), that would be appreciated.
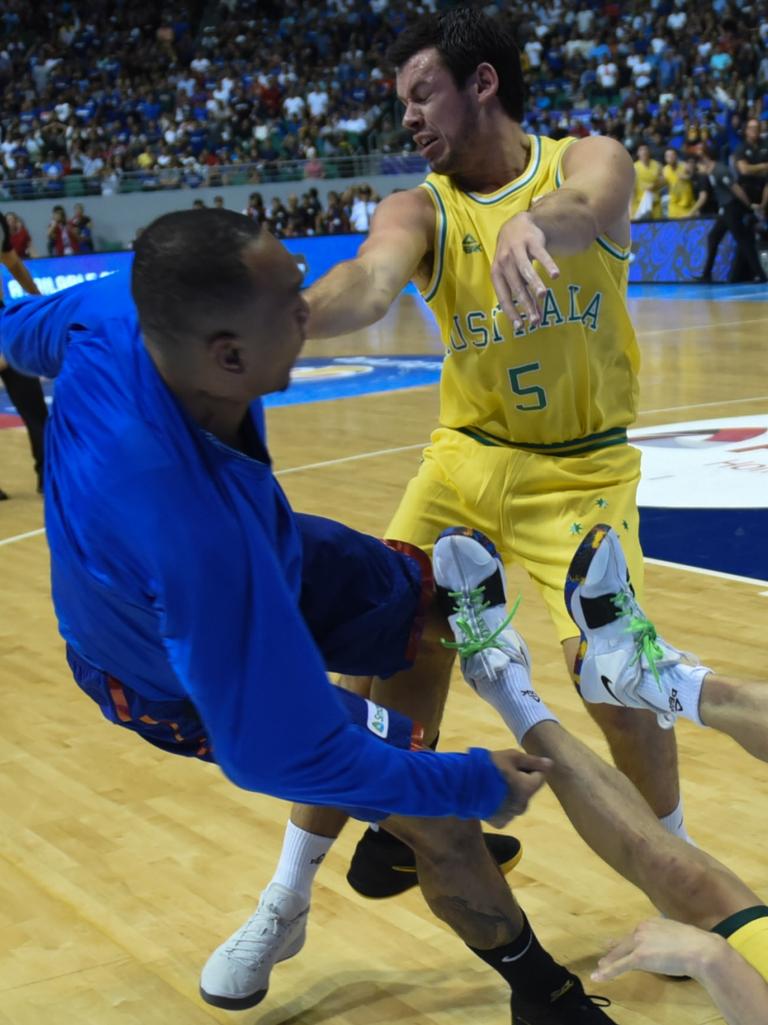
point(478, 328)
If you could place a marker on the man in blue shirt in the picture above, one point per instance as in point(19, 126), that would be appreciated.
point(185, 586)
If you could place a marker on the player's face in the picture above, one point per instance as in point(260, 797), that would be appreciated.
point(277, 333)
point(440, 117)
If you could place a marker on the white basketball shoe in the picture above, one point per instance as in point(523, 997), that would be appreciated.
point(236, 975)
point(471, 590)
point(621, 658)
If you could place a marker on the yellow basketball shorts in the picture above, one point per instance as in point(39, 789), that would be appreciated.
point(535, 508)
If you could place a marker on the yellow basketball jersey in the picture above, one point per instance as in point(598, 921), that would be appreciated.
point(681, 197)
point(569, 384)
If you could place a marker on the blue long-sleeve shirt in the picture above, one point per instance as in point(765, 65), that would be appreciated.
point(176, 568)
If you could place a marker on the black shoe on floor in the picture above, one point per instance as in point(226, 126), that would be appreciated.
point(383, 866)
point(570, 1006)
point(3, 496)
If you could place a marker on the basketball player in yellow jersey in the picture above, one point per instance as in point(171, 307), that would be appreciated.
point(520, 247)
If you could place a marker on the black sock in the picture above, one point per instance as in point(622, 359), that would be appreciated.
point(526, 966)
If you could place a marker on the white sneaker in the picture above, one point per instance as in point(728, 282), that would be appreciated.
point(236, 975)
point(471, 590)
point(621, 658)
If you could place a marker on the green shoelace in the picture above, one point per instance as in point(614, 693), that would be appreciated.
point(643, 632)
point(471, 604)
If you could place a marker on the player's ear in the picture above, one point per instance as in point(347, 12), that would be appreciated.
point(227, 352)
point(486, 82)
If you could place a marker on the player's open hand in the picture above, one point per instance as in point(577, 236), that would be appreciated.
point(524, 775)
point(519, 286)
point(659, 945)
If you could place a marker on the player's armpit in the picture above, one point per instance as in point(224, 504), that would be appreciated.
point(359, 292)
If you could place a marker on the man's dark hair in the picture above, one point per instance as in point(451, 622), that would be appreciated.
point(188, 269)
point(465, 37)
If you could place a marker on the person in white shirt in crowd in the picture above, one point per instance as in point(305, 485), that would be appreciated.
point(317, 99)
point(293, 104)
point(363, 206)
point(608, 75)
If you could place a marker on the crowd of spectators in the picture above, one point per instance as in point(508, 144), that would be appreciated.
point(253, 90)
point(347, 211)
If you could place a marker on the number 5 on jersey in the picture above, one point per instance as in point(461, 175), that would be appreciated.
point(535, 391)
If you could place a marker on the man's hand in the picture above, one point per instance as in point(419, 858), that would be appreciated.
point(518, 285)
point(660, 945)
point(524, 775)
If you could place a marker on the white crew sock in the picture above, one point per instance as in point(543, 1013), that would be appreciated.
point(673, 823)
point(302, 855)
point(512, 695)
point(682, 684)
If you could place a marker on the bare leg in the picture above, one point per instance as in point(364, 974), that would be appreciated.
point(609, 814)
point(460, 881)
point(645, 753)
point(738, 709)
point(421, 691)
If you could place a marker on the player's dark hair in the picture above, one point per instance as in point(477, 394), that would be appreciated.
point(465, 37)
point(187, 266)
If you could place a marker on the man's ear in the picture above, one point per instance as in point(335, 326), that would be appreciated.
point(227, 352)
point(487, 81)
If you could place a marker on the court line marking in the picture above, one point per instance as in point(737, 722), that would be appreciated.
point(350, 459)
point(702, 405)
point(700, 327)
point(22, 537)
point(755, 581)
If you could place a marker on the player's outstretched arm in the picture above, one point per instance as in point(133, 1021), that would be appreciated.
point(594, 200)
point(661, 945)
point(359, 292)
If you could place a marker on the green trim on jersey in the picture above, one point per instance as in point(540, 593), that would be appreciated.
point(576, 447)
point(508, 190)
point(441, 232)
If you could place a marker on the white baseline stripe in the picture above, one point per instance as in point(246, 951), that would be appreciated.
point(708, 572)
point(700, 327)
point(350, 459)
point(22, 537)
point(703, 405)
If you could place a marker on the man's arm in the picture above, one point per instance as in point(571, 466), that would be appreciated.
point(599, 179)
point(13, 262)
point(741, 195)
point(35, 331)
point(744, 167)
point(661, 945)
point(359, 292)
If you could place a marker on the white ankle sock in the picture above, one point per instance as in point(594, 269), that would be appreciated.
point(673, 823)
point(302, 855)
point(512, 695)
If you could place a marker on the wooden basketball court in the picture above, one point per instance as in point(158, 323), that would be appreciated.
point(122, 867)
